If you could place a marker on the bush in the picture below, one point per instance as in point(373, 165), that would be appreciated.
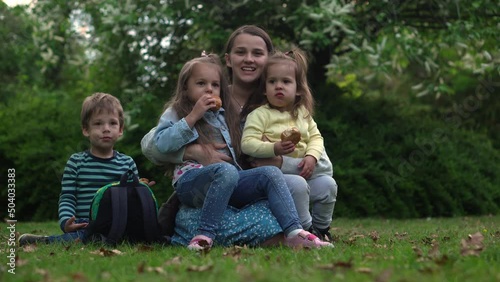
point(392, 162)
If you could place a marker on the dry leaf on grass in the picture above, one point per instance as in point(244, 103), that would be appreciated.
point(473, 245)
point(78, 277)
point(233, 252)
point(364, 270)
point(141, 266)
point(156, 269)
point(106, 253)
point(30, 248)
point(337, 265)
point(374, 235)
point(200, 268)
point(173, 261)
point(144, 248)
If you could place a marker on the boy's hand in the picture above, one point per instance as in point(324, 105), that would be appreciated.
point(147, 181)
point(71, 226)
point(283, 147)
point(307, 165)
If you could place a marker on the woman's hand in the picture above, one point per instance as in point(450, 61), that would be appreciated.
point(307, 165)
point(206, 154)
point(71, 226)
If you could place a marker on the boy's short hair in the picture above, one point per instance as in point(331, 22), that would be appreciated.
point(99, 102)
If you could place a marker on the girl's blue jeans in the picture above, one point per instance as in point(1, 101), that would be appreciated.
point(215, 186)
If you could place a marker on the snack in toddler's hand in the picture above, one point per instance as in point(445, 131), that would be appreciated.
point(291, 134)
point(218, 103)
point(144, 180)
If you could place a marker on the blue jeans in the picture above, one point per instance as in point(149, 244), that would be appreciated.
point(208, 188)
point(267, 182)
point(69, 236)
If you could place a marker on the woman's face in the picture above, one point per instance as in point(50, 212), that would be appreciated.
point(247, 58)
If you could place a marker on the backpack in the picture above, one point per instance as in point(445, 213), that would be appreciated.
point(124, 211)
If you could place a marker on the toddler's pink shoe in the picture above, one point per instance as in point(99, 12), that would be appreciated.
point(306, 240)
point(200, 243)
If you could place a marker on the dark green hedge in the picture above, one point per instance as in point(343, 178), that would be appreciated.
point(390, 159)
point(393, 162)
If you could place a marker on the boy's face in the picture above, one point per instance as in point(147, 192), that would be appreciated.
point(103, 130)
point(281, 87)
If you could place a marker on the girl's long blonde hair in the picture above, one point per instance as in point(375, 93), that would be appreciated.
point(183, 105)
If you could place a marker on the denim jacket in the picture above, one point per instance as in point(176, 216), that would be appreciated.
point(173, 134)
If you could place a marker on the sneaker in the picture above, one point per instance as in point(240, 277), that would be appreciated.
point(306, 239)
point(322, 234)
point(200, 243)
point(27, 239)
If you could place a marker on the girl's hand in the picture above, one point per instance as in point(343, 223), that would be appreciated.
point(71, 226)
point(204, 103)
point(307, 164)
point(283, 148)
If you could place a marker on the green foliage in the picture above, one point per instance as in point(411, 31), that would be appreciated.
point(57, 53)
point(394, 164)
point(38, 137)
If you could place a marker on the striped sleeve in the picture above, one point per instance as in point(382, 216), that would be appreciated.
point(83, 176)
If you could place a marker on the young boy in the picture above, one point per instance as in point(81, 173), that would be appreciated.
point(87, 171)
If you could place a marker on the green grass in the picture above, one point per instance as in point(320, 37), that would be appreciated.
point(365, 250)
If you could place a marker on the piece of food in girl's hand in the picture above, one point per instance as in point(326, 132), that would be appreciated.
point(218, 103)
point(291, 134)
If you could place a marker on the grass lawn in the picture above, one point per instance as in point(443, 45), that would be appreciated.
point(436, 249)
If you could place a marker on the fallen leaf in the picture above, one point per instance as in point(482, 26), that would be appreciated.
point(106, 253)
point(78, 277)
point(201, 268)
point(30, 248)
point(400, 236)
point(233, 252)
point(157, 269)
point(434, 251)
point(417, 251)
point(374, 236)
point(144, 248)
point(364, 270)
point(335, 265)
point(140, 267)
point(173, 261)
point(473, 245)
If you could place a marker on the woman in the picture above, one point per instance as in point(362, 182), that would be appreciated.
point(246, 53)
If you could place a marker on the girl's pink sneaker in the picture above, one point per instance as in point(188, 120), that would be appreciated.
point(200, 242)
point(306, 240)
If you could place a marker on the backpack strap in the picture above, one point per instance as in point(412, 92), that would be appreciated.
point(149, 210)
point(119, 211)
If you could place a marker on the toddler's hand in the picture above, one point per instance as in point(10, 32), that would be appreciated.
point(283, 148)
